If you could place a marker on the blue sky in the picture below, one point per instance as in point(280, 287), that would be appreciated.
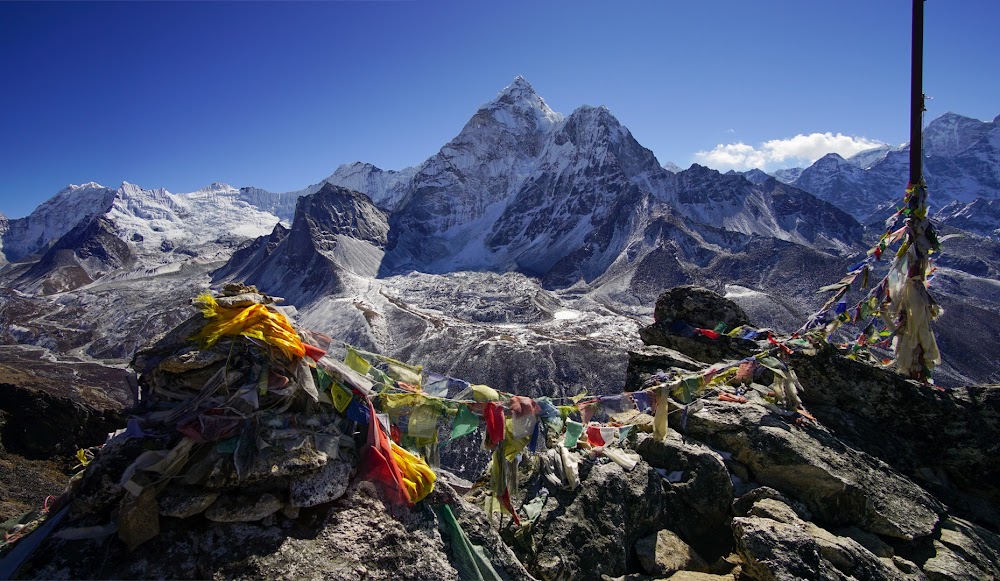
point(277, 95)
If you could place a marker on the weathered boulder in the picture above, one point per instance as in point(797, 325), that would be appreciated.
point(698, 307)
point(664, 554)
point(743, 504)
point(648, 360)
point(796, 549)
point(682, 308)
point(698, 500)
point(185, 501)
point(325, 485)
point(773, 550)
point(946, 439)
point(838, 484)
point(963, 550)
point(243, 507)
point(590, 532)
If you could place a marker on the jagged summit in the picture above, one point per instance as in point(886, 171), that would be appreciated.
point(217, 188)
point(521, 97)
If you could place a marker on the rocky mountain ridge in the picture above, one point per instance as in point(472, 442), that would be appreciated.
point(573, 203)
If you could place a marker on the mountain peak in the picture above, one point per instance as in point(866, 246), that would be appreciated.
point(217, 187)
point(520, 96)
point(519, 87)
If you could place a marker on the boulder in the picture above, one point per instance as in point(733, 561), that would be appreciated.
point(664, 553)
point(837, 483)
point(682, 308)
point(243, 507)
point(698, 500)
point(325, 485)
point(590, 532)
point(964, 550)
point(772, 550)
point(185, 501)
point(698, 307)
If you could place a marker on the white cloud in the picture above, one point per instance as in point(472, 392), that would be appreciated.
point(800, 150)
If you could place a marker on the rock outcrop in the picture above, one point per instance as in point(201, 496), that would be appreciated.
point(848, 487)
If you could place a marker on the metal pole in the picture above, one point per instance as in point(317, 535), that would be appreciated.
point(916, 91)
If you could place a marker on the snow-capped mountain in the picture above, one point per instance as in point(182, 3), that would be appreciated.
point(90, 231)
point(756, 176)
point(54, 218)
point(961, 163)
point(458, 193)
point(869, 157)
point(841, 182)
point(599, 227)
point(524, 188)
point(770, 208)
point(788, 175)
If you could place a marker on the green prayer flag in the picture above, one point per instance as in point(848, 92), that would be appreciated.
point(573, 431)
point(466, 422)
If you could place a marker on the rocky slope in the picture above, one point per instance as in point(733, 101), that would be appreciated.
point(892, 480)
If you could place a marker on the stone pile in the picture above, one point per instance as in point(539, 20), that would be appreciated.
point(235, 431)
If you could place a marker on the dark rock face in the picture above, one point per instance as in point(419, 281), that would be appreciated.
point(244, 260)
point(698, 503)
point(591, 531)
point(334, 211)
point(335, 231)
point(48, 410)
point(54, 408)
point(688, 306)
point(699, 307)
point(776, 550)
point(945, 439)
point(87, 252)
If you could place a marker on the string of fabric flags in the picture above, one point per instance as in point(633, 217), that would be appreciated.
point(879, 312)
point(414, 404)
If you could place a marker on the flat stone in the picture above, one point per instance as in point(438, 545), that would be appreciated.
point(243, 300)
point(185, 502)
point(271, 465)
point(139, 518)
point(325, 485)
point(698, 576)
point(643, 422)
point(191, 359)
point(243, 508)
point(775, 510)
point(743, 504)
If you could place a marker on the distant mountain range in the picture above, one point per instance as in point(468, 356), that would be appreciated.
point(961, 168)
point(531, 213)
